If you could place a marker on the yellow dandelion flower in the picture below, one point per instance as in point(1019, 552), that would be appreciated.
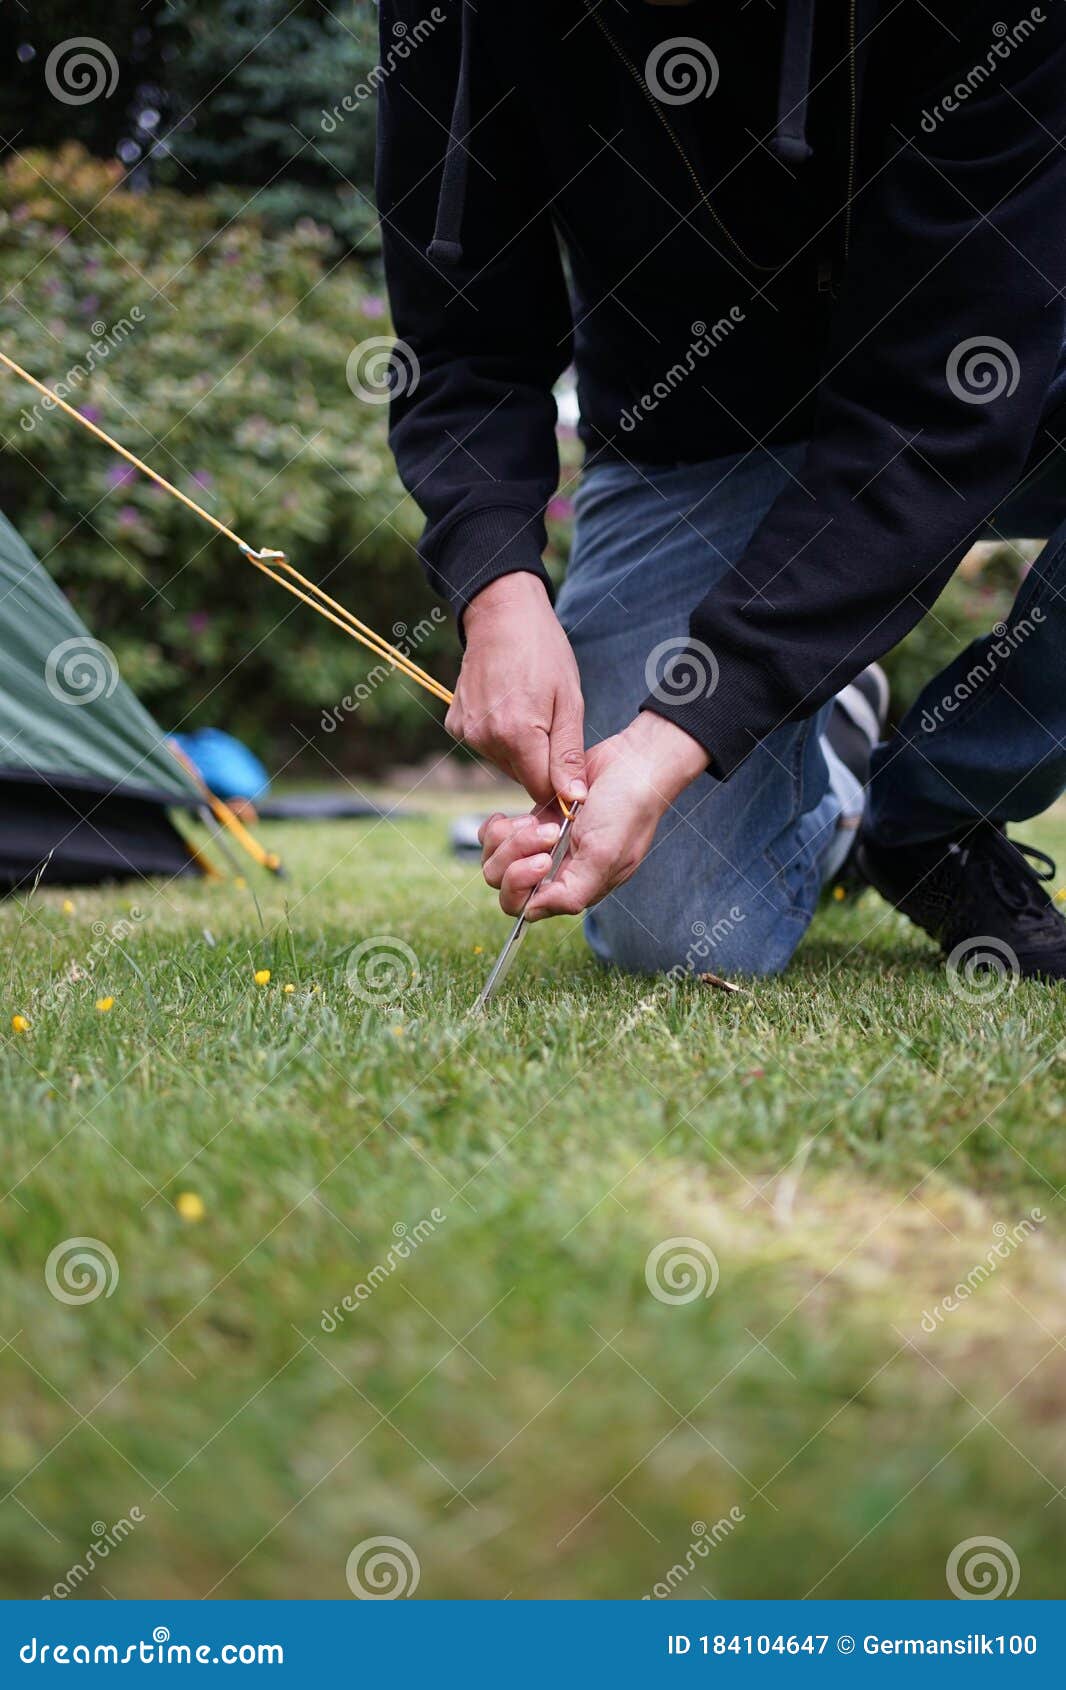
point(839, 894)
point(190, 1206)
point(19, 1024)
point(240, 882)
point(1060, 895)
point(288, 987)
point(478, 949)
point(398, 1032)
point(262, 976)
point(104, 1004)
point(68, 906)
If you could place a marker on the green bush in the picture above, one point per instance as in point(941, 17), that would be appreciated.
point(217, 351)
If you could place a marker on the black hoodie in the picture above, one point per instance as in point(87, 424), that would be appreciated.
point(853, 233)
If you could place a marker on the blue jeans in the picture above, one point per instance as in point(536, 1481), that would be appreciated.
point(735, 870)
point(983, 738)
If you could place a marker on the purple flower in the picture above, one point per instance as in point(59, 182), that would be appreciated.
point(203, 478)
point(198, 622)
point(560, 509)
point(128, 516)
point(373, 306)
point(120, 475)
point(90, 413)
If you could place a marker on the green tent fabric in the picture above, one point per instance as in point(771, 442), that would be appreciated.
point(86, 779)
point(65, 711)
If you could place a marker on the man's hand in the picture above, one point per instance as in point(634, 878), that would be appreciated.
point(633, 780)
point(518, 700)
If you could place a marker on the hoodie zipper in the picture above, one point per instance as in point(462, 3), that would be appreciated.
point(853, 121)
point(593, 12)
point(827, 270)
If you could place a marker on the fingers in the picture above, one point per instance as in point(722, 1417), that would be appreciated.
point(513, 841)
point(516, 855)
point(527, 752)
point(519, 750)
point(512, 732)
point(583, 879)
point(568, 894)
point(519, 880)
point(453, 721)
point(494, 827)
point(492, 833)
point(566, 752)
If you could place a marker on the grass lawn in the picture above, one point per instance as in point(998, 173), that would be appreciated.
point(505, 1393)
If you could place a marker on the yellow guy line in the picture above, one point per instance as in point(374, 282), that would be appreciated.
point(266, 561)
point(263, 561)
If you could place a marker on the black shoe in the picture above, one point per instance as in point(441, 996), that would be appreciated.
point(978, 896)
point(857, 720)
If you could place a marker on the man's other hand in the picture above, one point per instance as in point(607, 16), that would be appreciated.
point(634, 777)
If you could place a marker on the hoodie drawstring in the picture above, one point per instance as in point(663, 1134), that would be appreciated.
point(790, 142)
point(446, 247)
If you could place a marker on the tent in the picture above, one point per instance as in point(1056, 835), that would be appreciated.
point(86, 780)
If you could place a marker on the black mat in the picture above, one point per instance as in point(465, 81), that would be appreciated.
point(325, 806)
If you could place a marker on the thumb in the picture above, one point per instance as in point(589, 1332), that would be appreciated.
point(566, 754)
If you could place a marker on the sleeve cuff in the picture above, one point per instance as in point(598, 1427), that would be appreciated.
point(727, 706)
point(482, 547)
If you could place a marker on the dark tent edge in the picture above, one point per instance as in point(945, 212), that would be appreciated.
point(104, 789)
